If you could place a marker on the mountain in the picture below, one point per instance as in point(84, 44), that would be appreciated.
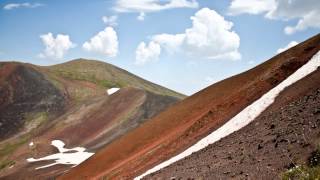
point(84, 104)
point(185, 123)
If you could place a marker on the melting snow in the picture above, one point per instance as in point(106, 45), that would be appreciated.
point(31, 144)
point(65, 156)
point(245, 116)
point(112, 90)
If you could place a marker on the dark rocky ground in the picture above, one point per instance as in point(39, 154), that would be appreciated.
point(25, 91)
point(283, 136)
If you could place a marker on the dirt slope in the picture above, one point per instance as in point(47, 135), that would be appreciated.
point(68, 102)
point(284, 135)
point(180, 126)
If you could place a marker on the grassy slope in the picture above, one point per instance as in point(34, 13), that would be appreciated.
point(106, 76)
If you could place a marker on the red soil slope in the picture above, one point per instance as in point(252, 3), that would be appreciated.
point(180, 126)
point(283, 136)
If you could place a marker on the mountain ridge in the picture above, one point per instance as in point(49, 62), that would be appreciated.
point(186, 122)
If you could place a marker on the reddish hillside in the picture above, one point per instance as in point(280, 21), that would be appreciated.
point(283, 136)
point(68, 102)
point(180, 126)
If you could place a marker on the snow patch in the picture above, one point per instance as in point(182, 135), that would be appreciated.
point(65, 156)
point(31, 144)
point(112, 90)
point(243, 118)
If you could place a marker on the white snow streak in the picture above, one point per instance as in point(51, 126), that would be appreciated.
point(65, 156)
point(112, 90)
point(245, 116)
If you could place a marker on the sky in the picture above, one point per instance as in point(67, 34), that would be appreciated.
point(185, 45)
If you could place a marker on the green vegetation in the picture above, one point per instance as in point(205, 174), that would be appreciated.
point(34, 120)
point(87, 77)
point(311, 171)
point(6, 163)
point(12, 146)
point(38, 115)
point(54, 80)
point(302, 173)
point(106, 76)
point(109, 84)
point(9, 148)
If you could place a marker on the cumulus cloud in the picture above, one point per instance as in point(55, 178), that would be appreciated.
point(105, 42)
point(145, 6)
point(110, 20)
point(21, 5)
point(290, 45)
point(145, 53)
point(172, 43)
point(56, 47)
point(306, 12)
point(210, 37)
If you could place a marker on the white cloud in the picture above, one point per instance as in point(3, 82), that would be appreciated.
point(250, 6)
point(152, 5)
point(145, 6)
point(21, 5)
point(307, 12)
point(145, 53)
point(110, 21)
point(57, 47)
point(311, 19)
point(290, 45)
point(209, 37)
point(141, 16)
point(105, 42)
point(171, 42)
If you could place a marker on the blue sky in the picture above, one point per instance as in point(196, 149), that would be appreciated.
point(187, 65)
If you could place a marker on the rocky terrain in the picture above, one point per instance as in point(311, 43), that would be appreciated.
point(24, 92)
point(282, 137)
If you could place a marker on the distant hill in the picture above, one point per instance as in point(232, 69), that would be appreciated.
point(69, 102)
point(106, 76)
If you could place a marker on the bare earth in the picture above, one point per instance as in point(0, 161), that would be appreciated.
point(282, 136)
